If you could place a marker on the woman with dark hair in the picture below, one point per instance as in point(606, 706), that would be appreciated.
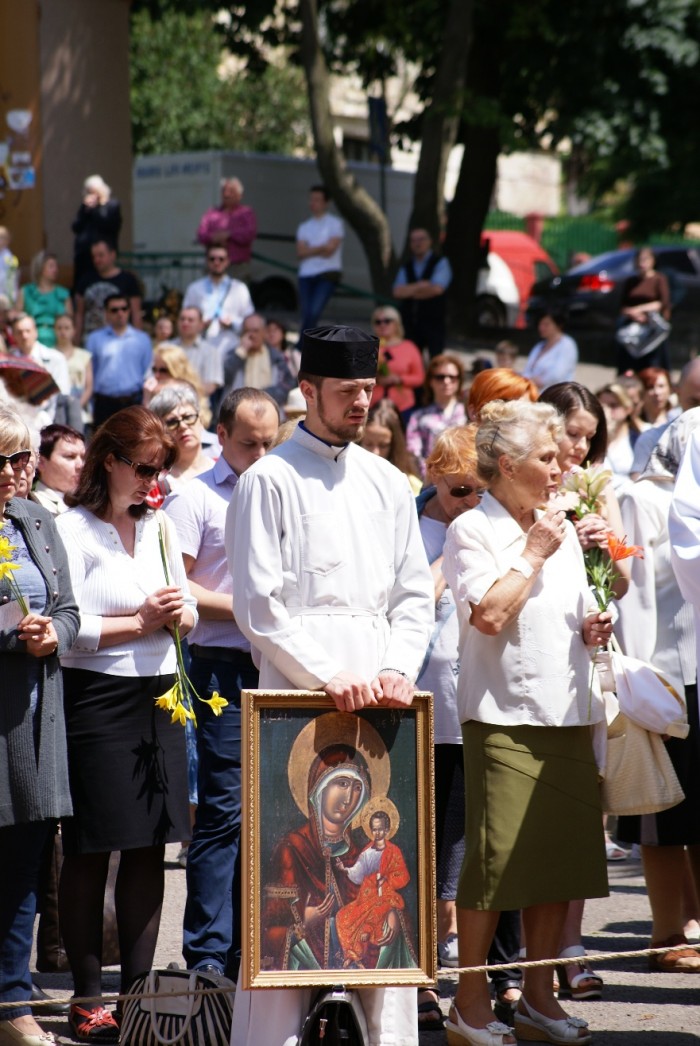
point(34, 791)
point(444, 409)
point(645, 310)
point(583, 443)
point(126, 758)
point(383, 435)
point(555, 357)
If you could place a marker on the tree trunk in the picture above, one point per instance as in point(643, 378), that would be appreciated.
point(355, 204)
point(441, 120)
point(468, 210)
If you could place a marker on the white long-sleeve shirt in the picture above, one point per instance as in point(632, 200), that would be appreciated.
point(656, 623)
point(329, 567)
point(108, 582)
point(684, 528)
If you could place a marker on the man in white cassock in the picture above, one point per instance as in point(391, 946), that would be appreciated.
point(333, 589)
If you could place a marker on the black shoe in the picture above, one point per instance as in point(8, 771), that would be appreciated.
point(56, 1009)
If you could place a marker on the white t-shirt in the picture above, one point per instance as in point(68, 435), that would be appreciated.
point(316, 232)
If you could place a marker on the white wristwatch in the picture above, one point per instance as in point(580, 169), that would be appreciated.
point(523, 567)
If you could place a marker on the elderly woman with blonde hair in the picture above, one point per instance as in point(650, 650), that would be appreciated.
point(534, 834)
point(401, 369)
point(99, 217)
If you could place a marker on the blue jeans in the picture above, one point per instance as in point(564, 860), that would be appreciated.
point(212, 931)
point(22, 847)
point(314, 294)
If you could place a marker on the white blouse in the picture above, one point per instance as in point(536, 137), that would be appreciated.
point(108, 582)
point(537, 670)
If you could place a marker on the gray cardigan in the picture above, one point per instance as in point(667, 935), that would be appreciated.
point(31, 788)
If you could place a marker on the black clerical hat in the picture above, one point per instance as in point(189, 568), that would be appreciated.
point(339, 352)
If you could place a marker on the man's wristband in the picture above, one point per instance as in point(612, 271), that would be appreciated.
point(523, 567)
point(396, 670)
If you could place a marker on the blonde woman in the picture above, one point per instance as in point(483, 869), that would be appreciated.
point(401, 369)
point(170, 367)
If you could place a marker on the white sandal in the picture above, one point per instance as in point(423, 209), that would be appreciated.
point(459, 1033)
point(535, 1027)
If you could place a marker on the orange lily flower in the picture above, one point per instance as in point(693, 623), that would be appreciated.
point(619, 550)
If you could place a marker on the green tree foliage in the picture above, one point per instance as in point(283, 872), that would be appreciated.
point(180, 102)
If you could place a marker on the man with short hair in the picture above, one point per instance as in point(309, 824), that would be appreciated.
point(223, 302)
point(420, 287)
point(121, 359)
point(221, 660)
point(61, 457)
point(27, 344)
point(257, 365)
point(204, 357)
point(231, 225)
point(319, 250)
point(91, 294)
point(333, 589)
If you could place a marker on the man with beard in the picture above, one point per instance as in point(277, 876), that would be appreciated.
point(333, 589)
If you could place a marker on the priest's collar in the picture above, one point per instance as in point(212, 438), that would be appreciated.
point(320, 446)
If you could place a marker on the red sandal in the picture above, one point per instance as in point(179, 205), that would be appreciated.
point(93, 1025)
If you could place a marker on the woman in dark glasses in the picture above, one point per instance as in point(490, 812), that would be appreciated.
point(127, 764)
point(33, 768)
point(454, 486)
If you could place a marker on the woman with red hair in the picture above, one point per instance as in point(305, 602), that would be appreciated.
point(498, 383)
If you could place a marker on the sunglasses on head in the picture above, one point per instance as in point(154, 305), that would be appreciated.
point(466, 492)
point(141, 470)
point(19, 460)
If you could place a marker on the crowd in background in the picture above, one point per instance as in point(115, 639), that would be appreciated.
point(115, 482)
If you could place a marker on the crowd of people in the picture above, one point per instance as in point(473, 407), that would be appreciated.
point(340, 514)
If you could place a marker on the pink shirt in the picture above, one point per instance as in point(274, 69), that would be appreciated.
point(240, 225)
point(405, 361)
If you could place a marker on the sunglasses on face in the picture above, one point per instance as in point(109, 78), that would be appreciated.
point(18, 461)
point(217, 258)
point(160, 370)
point(444, 377)
point(382, 320)
point(118, 308)
point(466, 492)
point(186, 419)
point(141, 470)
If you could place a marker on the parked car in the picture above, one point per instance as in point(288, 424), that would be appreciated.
point(501, 296)
point(590, 294)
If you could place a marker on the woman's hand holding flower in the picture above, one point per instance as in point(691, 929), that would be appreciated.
point(597, 628)
point(546, 535)
point(162, 608)
point(592, 531)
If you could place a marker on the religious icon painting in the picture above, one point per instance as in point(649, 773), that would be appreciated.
point(338, 843)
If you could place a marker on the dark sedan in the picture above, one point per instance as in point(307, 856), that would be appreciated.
point(590, 294)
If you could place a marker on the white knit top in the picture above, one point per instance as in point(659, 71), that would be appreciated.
point(108, 582)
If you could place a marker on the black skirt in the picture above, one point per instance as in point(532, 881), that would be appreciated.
point(127, 764)
point(679, 826)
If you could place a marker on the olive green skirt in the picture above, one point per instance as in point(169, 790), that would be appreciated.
point(533, 823)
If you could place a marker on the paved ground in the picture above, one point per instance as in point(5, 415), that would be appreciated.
point(663, 1008)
